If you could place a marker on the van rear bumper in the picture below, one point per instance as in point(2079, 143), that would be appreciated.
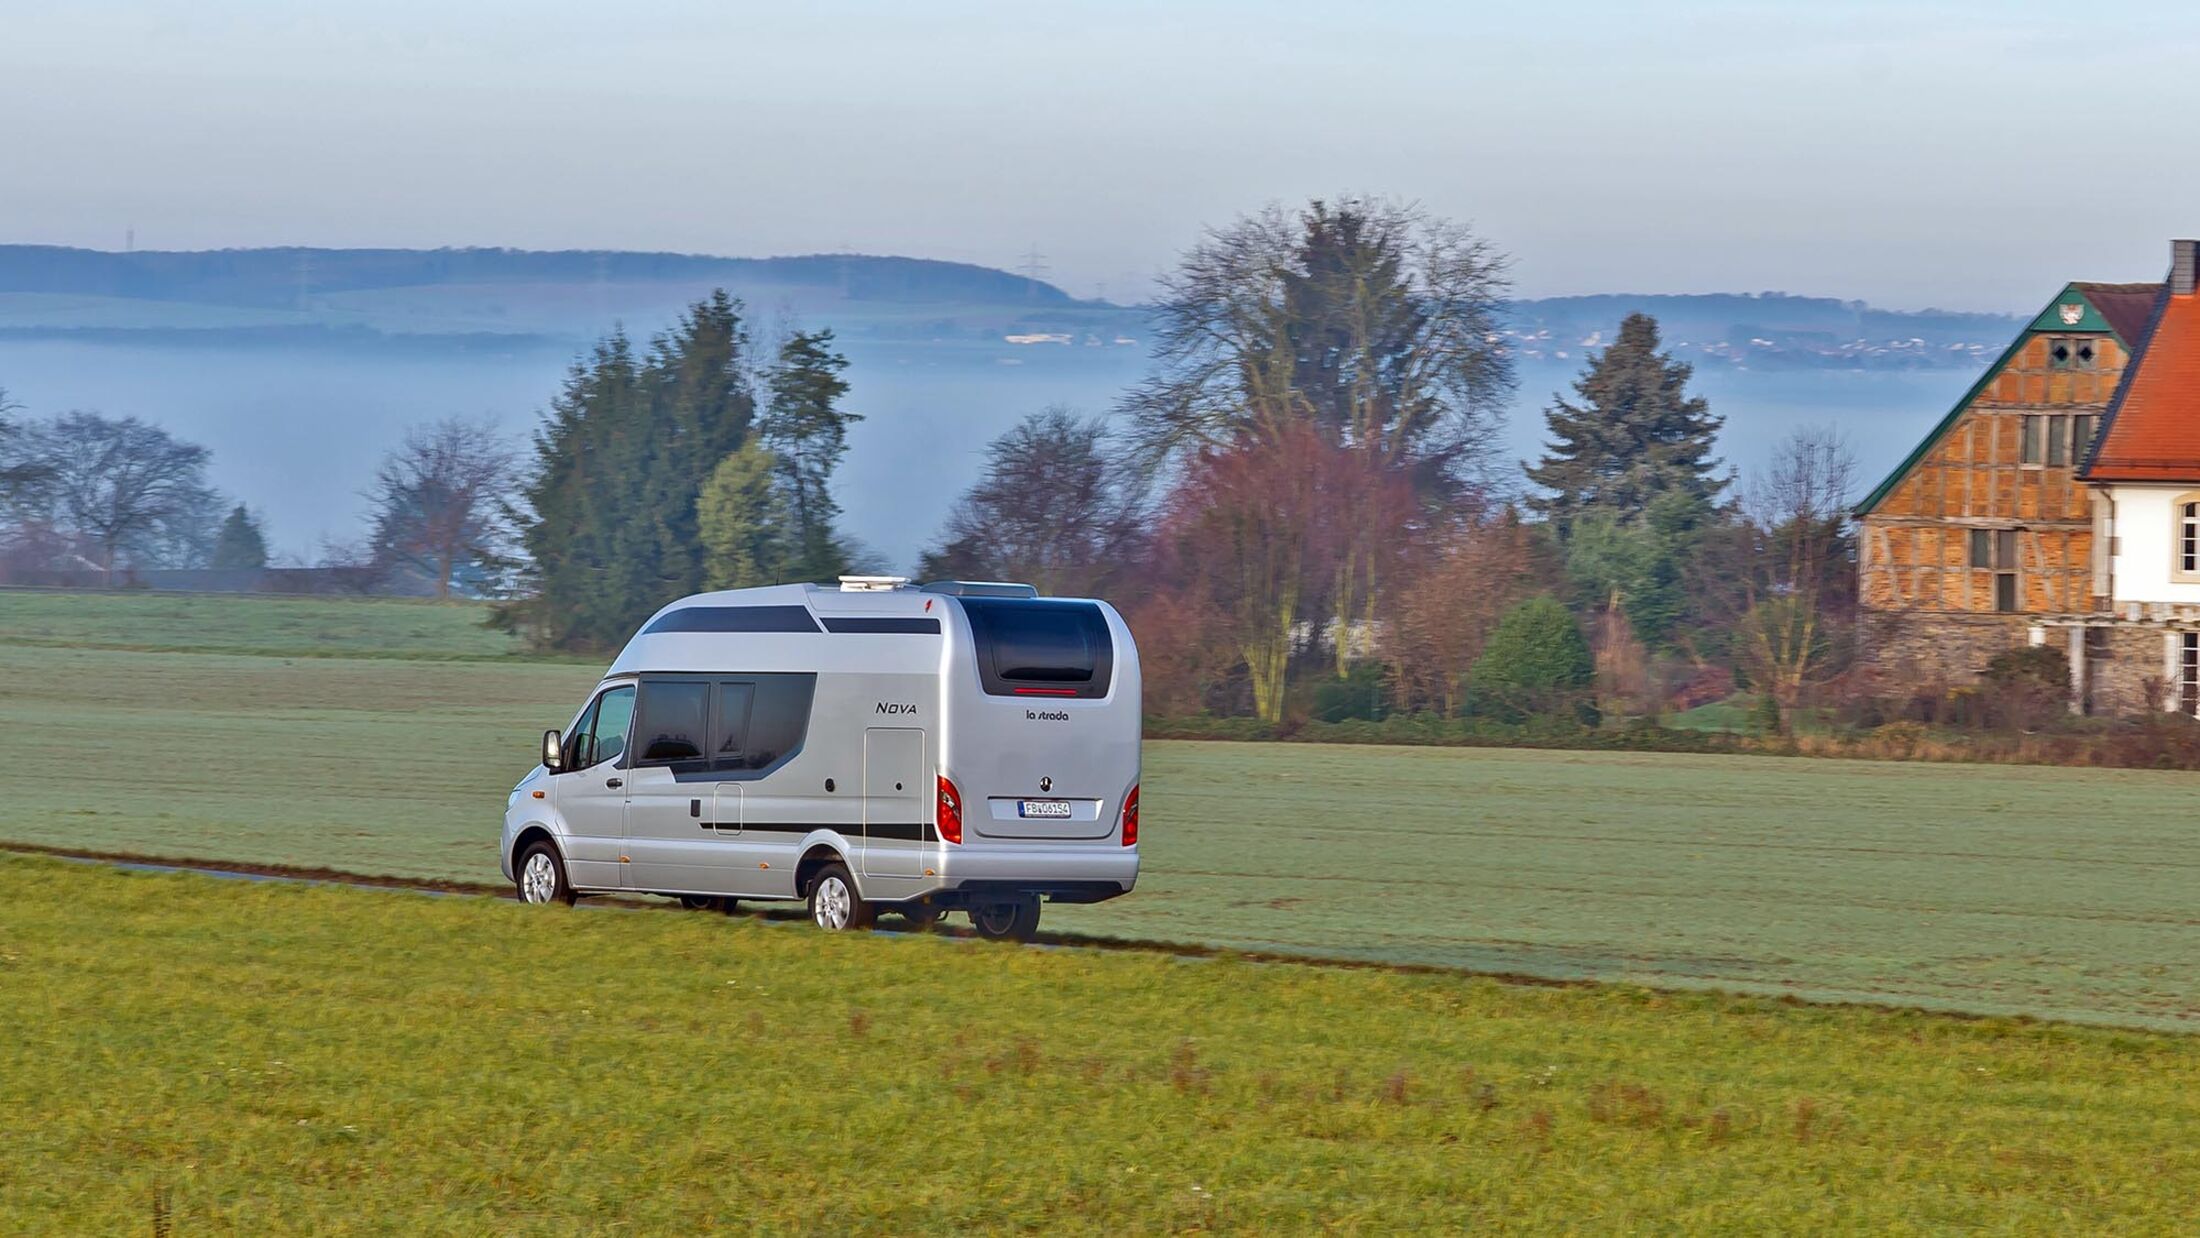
point(1058, 872)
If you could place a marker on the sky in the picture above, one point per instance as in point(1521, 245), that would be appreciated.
point(1947, 154)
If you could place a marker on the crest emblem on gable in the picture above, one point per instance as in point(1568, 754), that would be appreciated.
point(2071, 314)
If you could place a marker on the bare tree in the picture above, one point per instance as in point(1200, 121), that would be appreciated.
point(1365, 319)
point(17, 469)
point(120, 485)
point(1056, 508)
point(1789, 582)
point(441, 501)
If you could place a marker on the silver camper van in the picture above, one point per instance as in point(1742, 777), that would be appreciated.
point(873, 747)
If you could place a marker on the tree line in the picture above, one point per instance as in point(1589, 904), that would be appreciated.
point(1304, 509)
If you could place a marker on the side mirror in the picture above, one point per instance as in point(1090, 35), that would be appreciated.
point(553, 751)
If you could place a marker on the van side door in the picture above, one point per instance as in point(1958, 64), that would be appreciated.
point(671, 843)
point(591, 791)
point(895, 823)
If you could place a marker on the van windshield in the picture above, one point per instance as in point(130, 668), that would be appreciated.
point(1041, 646)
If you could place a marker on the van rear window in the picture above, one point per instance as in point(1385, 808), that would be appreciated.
point(1041, 647)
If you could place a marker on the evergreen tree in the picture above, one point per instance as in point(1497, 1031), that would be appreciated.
point(1535, 665)
point(1636, 434)
point(807, 431)
point(240, 546)
point(1637, 566)
point(611, 518)
point(700, 410)
point(741, 518)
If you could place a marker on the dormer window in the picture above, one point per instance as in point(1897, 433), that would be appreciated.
point(2077, 354)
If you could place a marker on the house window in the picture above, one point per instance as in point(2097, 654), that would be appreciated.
point(2058, 439)
point(2186, 563)
point(2071, 354)
point(2081, 437)
point(2030, 444)
point(1996, 550)
point(2188, 672)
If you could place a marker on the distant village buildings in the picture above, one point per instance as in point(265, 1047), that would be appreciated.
point(2058, 503)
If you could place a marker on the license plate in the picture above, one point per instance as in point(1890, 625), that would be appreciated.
point(1043, 808)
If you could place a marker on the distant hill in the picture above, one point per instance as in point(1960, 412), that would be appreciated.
point(469, 299)
point(280, 278)
point(1769, 329)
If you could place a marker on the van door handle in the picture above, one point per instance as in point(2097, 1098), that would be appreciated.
point(614, 782)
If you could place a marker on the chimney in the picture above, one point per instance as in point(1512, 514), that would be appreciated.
point(2183, 255)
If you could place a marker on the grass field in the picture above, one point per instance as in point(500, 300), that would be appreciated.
point(253, 1057)
point(2056, 892)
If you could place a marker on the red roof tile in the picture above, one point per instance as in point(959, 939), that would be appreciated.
point(2153, 430)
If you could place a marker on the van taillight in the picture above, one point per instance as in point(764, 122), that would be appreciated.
point(1130, 818)
point(950, 821)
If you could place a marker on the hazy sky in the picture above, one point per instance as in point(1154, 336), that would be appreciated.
point(1958, 154)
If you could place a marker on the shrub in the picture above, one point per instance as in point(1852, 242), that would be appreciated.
point(1535, 665)
point(2024, 689)
point(1362, 694)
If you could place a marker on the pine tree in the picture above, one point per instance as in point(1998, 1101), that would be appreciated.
point(807, 431)
point(700, 410)
point(741, 518)
point(240, 546)
point(611, 518)
point(1636, 435)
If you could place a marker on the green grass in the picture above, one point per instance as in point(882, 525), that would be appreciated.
point(1731, 714)
point(236, 623)
point(2018, 889)
point(265, 1057)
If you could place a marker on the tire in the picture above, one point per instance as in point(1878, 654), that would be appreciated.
point(1015, 921)
point(834, 904)
point(541, 876)
point(701, 902)
point(920, 917)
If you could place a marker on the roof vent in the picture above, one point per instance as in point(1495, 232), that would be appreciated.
point(2182, 259)
point(872, 584)
point(980, 589)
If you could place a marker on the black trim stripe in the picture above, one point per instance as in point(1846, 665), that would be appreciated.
point(902, 831)
point(905, 625)
point(733, 619)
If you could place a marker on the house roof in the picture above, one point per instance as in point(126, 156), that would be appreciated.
point(2122, 309)
point(2127, 307)
point(2153, 427)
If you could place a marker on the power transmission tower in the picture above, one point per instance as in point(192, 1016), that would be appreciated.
point(1034, 269)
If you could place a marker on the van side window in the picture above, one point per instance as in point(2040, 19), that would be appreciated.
point(778, 712)
point(578, 739)
point(614, 710)
point(673, 723)
point(729, 738)
point(600, 735)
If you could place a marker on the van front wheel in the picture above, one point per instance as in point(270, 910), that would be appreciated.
point(542, 876)
point(1015, 921)
point(834, 905)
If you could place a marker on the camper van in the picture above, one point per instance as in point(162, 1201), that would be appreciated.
point(876, 747)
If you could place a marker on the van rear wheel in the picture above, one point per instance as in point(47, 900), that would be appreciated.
point(1011, 921)
point(834, 904)
point(542, 876)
